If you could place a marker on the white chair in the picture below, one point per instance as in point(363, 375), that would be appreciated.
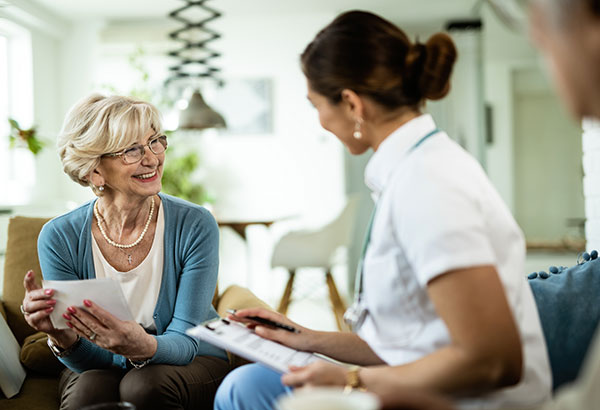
point(316, 249)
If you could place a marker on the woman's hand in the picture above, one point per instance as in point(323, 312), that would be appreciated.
point(126, 338)
point(37, 304)
point(319, 373)
point(304, 339)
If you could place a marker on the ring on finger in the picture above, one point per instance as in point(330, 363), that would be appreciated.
point(23, 311)
point(92, 336)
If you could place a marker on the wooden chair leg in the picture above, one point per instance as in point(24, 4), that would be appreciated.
point(287, 294)
point(338, 305)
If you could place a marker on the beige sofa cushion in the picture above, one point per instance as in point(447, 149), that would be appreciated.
point(35, 355)
point(237, 297)
point(2, 311)
point(37, 393)
point(21, 256)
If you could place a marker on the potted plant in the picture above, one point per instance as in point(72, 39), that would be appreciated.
point(24, 137)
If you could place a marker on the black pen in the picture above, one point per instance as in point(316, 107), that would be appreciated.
point(267, 322)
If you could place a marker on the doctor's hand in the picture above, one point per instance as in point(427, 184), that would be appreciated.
point(126, 338)
point(320, 373)
point(303, 339)
point(391, 395)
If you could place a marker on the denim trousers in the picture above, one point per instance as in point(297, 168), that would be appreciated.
point(250, 387)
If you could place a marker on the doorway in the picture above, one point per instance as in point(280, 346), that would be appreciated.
point(549, 202)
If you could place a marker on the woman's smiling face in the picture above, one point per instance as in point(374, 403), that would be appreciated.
point(141, 179)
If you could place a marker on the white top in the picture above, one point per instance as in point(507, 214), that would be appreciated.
point(437, 211)
point(140, 285)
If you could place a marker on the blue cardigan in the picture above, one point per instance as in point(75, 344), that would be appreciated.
point(191, 262)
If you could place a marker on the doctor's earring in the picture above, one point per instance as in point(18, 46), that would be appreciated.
point(357, 125)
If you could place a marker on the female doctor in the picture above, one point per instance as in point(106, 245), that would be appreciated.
point(443, 304)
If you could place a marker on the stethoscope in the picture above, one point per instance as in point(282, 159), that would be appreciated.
point(356, 314)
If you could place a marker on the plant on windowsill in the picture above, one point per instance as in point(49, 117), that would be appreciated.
point(24, 137)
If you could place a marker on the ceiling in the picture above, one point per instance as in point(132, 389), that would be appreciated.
point(396, 10)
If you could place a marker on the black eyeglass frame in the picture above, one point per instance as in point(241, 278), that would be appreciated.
point(141, 148)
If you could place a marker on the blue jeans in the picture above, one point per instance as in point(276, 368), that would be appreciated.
point(251, 387)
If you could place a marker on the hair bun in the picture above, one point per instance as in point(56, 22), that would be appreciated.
point(440, 56)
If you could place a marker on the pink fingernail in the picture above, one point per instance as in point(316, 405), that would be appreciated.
point(29, 273)
point(51, 302)
point(71, 309)
point(66, 316)
point(87, 303)
point(48, 291)
point(50, 309)
point(70, 325)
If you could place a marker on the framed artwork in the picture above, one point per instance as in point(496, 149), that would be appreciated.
point(246, 104)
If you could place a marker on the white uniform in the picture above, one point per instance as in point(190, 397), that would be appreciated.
point(436, 212)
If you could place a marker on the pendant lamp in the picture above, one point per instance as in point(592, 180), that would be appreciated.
point(194, 66)
point(198, 115)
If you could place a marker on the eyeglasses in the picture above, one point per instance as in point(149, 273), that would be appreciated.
point(134, 154)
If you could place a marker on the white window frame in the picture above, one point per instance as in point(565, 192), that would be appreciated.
point(17, 167)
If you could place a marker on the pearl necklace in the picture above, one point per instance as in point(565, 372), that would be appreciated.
point(119, 245)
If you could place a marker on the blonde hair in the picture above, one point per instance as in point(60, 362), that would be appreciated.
point(99, 125)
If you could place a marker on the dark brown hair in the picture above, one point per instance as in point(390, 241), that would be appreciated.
point(371, 56)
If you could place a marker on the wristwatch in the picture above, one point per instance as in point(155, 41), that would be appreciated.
point(59, 351)
point(353, 380)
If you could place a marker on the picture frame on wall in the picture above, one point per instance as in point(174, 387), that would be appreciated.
point(246, 104)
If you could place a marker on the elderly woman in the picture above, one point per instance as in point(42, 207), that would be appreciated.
point(162, 251)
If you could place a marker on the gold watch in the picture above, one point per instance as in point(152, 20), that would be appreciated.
point(353, 380)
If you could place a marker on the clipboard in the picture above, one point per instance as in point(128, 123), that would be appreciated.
point(242, 341)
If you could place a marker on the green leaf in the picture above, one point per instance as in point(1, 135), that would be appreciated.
point(177, 178)
point(34, 145)
point(14, 124)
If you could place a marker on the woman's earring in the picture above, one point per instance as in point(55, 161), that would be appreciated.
point(101, 188)
point(357, 133)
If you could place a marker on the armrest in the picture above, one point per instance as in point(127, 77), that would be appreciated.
point(2, 311)
point(237, 297)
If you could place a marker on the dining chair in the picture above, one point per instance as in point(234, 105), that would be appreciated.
point(316, 248)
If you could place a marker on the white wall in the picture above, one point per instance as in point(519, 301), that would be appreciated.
point(591, 180)
point(295, 171)
point(504, 51)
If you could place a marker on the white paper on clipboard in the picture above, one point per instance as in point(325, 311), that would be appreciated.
point(106, 293)
point(242, 341)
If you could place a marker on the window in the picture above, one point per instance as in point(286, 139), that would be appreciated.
point(17, 166)
point(3, 101)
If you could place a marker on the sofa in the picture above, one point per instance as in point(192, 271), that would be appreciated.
point(40, 389)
